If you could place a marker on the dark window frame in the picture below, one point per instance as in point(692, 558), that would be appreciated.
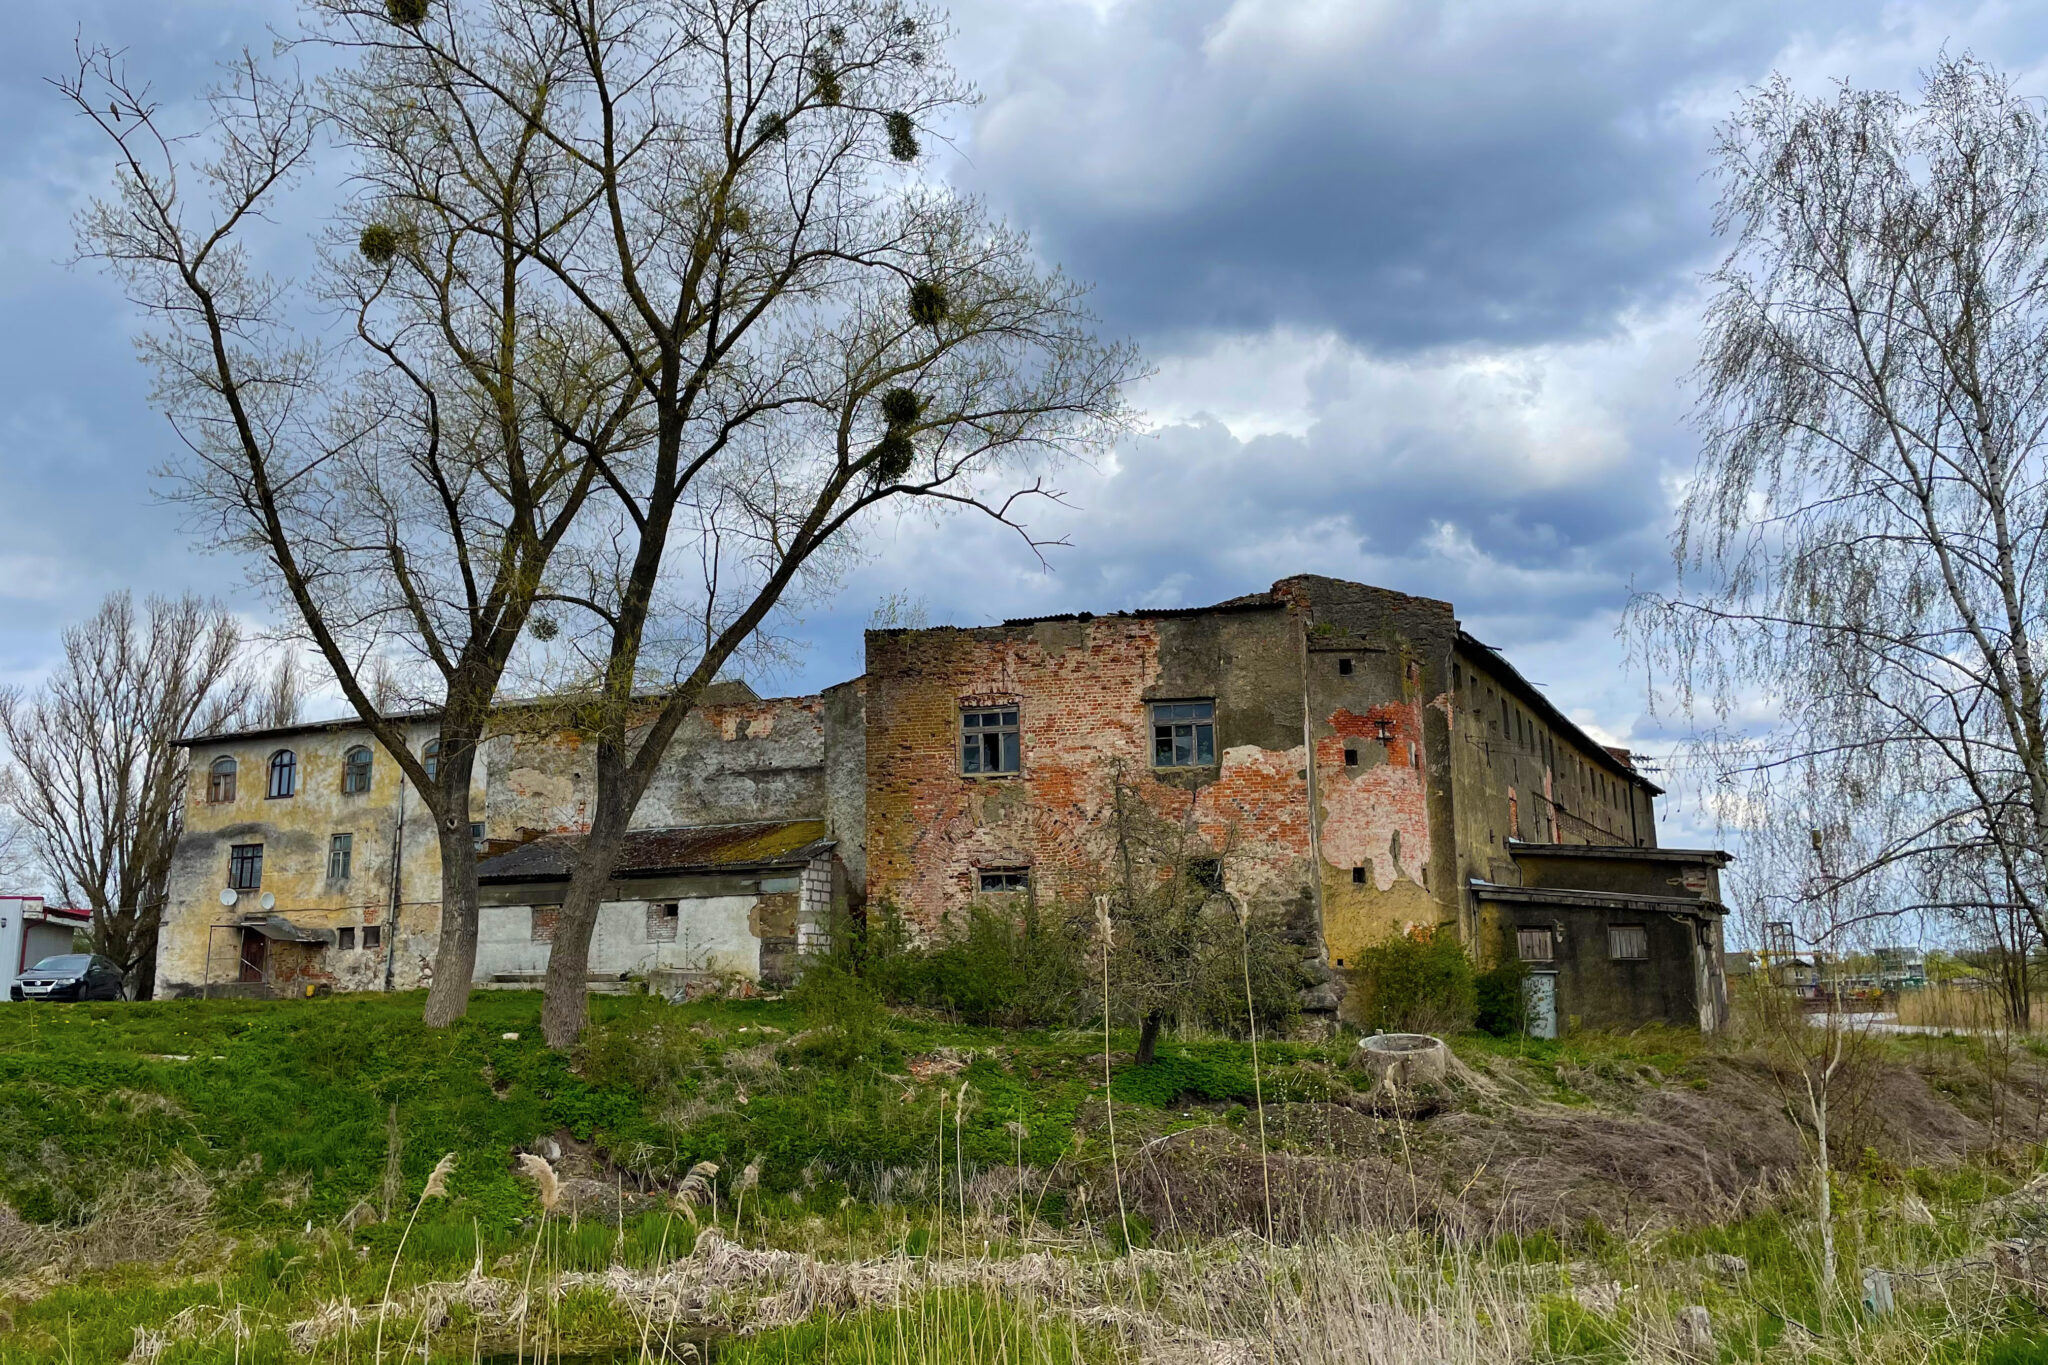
point(1167, 727)
point(345, 938)
point(282, 781)
point(373, 936)
point(991, 734)
point(430, 758)
point(220, 781)
point(1007, 881)
point(245, 867)
point(357, 770)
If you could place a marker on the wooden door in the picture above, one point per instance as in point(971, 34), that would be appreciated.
point(255, 955)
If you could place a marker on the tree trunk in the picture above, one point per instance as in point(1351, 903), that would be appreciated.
point(1148, 1037)
point(142, 980)
point(455, 953)
point(565, 1005)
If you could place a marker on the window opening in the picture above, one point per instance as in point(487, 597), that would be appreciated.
point(1344, 666)
point(373, 935)
point(340, 854)
point(989, 741)
point(1183, 734)
point(355, 771)
point(1536, 945)
point(220, 781)
point(1000, 881)
point(245, 866)
point(284, 774)
point(662, 919)
point(345, 939)
point(1628, 942)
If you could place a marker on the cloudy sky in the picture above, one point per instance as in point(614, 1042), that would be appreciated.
point(1419, 282)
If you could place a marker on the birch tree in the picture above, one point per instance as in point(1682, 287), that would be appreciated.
point(1861, 548)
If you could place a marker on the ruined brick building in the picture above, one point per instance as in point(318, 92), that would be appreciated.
point(1345, 757)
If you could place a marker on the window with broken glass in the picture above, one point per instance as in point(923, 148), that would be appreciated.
point(999, 881)
point(1183, 734)
point(989, 740)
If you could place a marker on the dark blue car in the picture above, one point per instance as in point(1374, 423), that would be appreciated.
point(70, 976)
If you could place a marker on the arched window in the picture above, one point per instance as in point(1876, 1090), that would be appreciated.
point(431, 756)
point(355, 770)
point(284, 773)
point(220, 781)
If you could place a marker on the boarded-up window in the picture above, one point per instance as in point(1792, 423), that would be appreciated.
point(1628, 942)
point(544, 917)
point(1536, 945)
point(662, 918)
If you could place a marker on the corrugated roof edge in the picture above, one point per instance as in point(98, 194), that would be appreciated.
point(1533, 694)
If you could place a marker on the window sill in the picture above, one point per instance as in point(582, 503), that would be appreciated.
point(991, 777)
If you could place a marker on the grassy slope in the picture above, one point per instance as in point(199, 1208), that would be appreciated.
point(282, 1115)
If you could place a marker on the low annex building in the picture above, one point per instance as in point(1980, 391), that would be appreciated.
point(1346, 757)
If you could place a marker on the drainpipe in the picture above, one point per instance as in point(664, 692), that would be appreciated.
point(397, 881)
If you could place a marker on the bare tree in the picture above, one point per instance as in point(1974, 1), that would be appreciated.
point(810, 332)
point(403, 489)
point(96, 778)
point(1862, 546)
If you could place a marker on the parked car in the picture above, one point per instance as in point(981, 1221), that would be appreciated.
point(71, 976)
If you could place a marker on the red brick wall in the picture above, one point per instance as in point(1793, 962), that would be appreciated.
point(1081, 692)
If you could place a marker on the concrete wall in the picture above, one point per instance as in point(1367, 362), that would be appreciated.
point(846, 781)
point(200, 940)
point(751, 924)
point(1519, 777)
point(1596, 991)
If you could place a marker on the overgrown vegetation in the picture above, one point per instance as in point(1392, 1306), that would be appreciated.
point(821, 1177)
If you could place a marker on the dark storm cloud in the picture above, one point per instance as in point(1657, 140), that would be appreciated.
point(1408, 174)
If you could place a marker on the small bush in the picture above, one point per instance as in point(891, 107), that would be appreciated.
point(847, 1024)
point(995, 968)
point(1418, 983)
point(1500, 1005)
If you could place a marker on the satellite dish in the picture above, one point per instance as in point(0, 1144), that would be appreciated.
point(228, 896)
point(269, 902)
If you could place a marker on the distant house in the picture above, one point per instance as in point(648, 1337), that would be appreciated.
point(31, 931)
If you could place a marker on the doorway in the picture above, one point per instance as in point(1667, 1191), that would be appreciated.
point(1540, 1000)
point(255, 956)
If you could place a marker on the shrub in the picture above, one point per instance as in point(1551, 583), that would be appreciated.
point(1420, 982)
point(847, 1024)
point(993, 967)
point(1501, 1007)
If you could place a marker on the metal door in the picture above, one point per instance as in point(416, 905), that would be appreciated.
point(1541, 999)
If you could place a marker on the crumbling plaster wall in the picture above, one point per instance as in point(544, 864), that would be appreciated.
point(729, 763)
point(201, 939)
point(1376, 678)
point(1081, 687)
